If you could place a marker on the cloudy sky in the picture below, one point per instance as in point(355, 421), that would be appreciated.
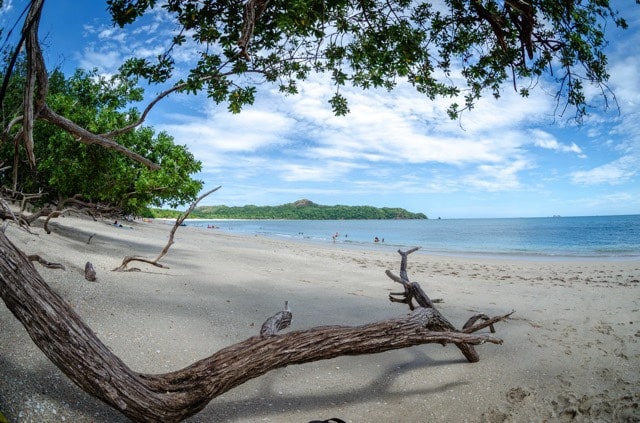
point(510, 157)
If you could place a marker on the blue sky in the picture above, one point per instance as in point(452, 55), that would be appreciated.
point(506, 158)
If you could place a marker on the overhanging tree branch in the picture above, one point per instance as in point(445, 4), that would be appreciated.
point(87, 137)
point(35, 93)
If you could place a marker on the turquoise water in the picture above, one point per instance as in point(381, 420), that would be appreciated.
point(591, 237)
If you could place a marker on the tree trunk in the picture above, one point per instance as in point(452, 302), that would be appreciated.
point(72, 346)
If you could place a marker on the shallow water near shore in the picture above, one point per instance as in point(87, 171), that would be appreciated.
point(590, 237)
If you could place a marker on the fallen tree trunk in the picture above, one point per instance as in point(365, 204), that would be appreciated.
point(72, 346)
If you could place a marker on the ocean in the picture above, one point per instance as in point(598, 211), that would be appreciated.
point(591, 237)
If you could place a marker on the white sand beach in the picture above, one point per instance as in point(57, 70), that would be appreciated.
point(571, 351)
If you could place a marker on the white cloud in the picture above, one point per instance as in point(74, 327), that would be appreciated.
point(111, 34)
point(404, 127)
point(317, 172)
point(223, 132)
point(498, 177)
point(547, 141)
point(105, 61)
point(614, 173)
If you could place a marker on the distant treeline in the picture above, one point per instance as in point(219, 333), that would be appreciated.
point(302, 210)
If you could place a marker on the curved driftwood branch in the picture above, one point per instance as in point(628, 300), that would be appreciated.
point(72, 346)
point(45, 263)
point(129, 259)
point(57, 213)
point(470, 327)
point(179, 221)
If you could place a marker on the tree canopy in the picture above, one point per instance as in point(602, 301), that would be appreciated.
point(65, 168)
point(454, 49)
point(303, 209)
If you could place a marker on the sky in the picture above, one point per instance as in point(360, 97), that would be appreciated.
point(511, 157)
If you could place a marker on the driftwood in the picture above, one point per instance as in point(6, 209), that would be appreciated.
point(413, 291)
point(89, 272)
point(7, 214)
point(72, 346)
point(58, 213)
point(279, 321)
point(154, 262)
point(45, 263)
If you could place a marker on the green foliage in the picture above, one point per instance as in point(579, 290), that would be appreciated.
point(66, 167)
point(376, 43)
point(161, 213)
point(300, 210)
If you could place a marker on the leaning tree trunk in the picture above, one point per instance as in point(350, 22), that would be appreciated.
point(72, 346)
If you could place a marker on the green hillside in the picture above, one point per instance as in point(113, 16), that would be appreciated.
point(301, 209)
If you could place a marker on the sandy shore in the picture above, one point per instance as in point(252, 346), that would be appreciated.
point(570, 352)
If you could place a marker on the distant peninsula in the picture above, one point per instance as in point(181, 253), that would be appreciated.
point(299, 210)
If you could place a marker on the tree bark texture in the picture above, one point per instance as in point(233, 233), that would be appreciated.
point(72, 346)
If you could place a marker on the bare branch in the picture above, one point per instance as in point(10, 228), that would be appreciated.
point(469, 327)
point(152, 104)
point(45, 263)
point(413, 291)
point(7, 213)
point(146, 111)
point(86, 137)
point(58, 213)
point(179, 221)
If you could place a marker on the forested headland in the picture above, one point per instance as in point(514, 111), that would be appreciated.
point(299, 210)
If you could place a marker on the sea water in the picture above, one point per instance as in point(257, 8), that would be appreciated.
point(589, 237)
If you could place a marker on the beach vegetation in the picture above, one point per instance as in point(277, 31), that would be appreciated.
point(64, 169)
point(299, 210)
point(456, 50)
